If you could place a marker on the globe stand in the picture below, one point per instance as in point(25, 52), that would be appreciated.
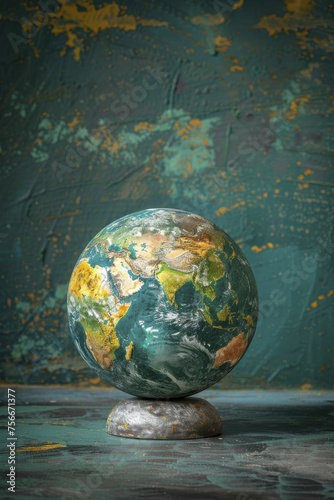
point(183, 418)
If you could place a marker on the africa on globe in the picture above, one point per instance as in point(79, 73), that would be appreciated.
point(162, 303)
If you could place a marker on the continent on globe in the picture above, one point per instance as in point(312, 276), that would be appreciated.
point(162, 303)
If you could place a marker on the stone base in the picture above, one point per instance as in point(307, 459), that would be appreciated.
point(188, 418)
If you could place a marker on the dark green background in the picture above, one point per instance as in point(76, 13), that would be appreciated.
point(226, 111)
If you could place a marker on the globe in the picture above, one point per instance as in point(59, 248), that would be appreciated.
point(162, 303)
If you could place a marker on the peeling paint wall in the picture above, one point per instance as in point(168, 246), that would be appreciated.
point(223, 109)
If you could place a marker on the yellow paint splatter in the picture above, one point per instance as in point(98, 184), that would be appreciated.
point(195, 122)
point(222, 43)
point(301, 187)
point(30, 41)
point(297, 18)
point(72, 124)
point(188, 170)
point(238, 5)
point(84, 15)
point(74, 42)
point(258, 249)
point(41, 447)
point(72, 213)
point(224, 210)
point(107, 140)
point(295, 107)
point(306, 387)
point(236, 68)
point(209, 19)
point(308, 72)
point(299, 6)
point(315, 303)
point(185, 131)
point(144, 126)
point(308, 171)
point(151, 22)
point(95, 380)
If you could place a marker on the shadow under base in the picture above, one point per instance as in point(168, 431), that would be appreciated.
point(188, 418)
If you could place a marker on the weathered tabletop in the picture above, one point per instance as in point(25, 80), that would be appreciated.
point(274, 445)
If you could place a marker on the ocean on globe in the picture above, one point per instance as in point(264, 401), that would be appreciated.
point(162, 303)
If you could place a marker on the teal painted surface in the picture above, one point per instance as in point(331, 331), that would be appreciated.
point(227, 112)
point(275, 445)
point(162, 304)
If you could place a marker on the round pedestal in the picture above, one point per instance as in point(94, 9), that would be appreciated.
point(188, 418)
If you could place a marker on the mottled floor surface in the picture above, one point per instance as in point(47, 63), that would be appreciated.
point(274, 445)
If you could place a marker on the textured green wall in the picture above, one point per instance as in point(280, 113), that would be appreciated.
point(223, 110)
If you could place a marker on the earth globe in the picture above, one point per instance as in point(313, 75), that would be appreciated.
point(162, 304)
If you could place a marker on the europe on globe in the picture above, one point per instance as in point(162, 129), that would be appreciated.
point(162, 303)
